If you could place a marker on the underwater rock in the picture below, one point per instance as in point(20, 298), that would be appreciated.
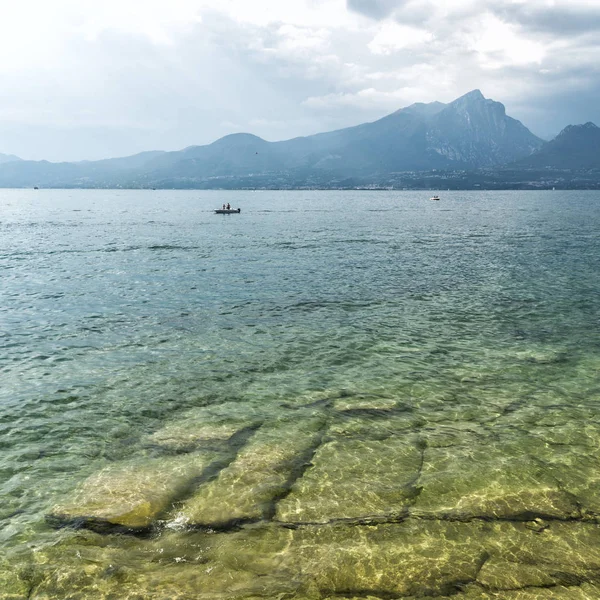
point(497, 480)
point(550, 411)
point(415, 559)
point(565, 555)
point(207, 424)
point(445, 435)
point(12, 587)
point(365, 403)
point(584, 592)
point(577, 469)
point(347, 425)
point(387, 561)
point(502, 575)
point(354, 479)
point(131, 495)
point(572, 547)
point(543, 356)
point(262, 471)
point(568, 433)
point(173, 566)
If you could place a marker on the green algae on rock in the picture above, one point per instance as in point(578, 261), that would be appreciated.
point(246, 489)
point(353, 479)
point(131, 495)
point(12, 585)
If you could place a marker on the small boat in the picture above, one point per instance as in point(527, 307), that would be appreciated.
point(434, 198)
point(228, 211)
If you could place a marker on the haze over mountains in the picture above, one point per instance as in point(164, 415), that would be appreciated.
point(4, 158)
point(469, 134)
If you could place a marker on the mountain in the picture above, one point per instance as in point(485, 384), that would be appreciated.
point(128, 162)
point(5, 158)
point(112, 171)
point(469, 133)
point(477, 132)
point(577, 147)
point(233, 155)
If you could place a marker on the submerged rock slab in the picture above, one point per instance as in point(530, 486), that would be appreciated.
point(501, 480)
point(262, 471)
point(347, 425)
point(571, 431)
point(354, 479)
point(572, 547)
point(502, 575)
point(365, 403)
point(12, 586)
point(415, 559)
point(206, 424)
point(173, 566)
point(445, 435)
point(387, 561)
point(559, 592)
point(473, 592)
point(131, 495)
point(577, 470)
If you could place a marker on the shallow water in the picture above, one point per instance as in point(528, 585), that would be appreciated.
point(331, 394)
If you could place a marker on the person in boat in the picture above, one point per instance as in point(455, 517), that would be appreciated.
point(223, 206)
point(228, 206)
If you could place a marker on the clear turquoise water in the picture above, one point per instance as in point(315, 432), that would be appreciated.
point(408, 373)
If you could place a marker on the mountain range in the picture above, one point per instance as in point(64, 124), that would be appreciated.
point(4, 158)
point(469, 134)
point(575, 147)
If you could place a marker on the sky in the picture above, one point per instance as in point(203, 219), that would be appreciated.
point(84, 80)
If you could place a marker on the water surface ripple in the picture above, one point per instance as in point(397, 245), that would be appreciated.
point(329, 395)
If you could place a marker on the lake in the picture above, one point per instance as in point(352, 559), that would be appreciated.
point(329, 395)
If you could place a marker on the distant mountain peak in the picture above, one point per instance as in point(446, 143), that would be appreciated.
point(575, 147)
point(476, 131)
point(473, 95)
point(239, 140)
point(241, 137)
point(573, 130)
point(475, 100)
point(423, 109)
point(589, 126)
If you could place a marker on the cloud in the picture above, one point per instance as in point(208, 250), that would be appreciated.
point(376, 9)
point(367, 99)
point(393, 37)
point(500, 44)
point(123, 76)
point(560, 19)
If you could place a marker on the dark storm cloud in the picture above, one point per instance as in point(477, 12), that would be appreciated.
point(561, 20)
point(557, 20)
